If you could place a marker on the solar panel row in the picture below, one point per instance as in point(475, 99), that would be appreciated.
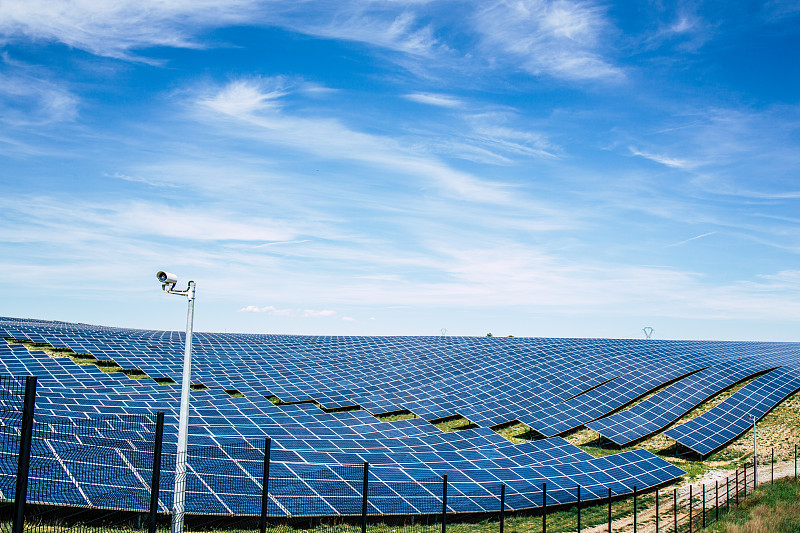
point(553, 385)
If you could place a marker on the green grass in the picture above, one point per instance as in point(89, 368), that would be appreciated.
point(394, 416)
point(135, 373)
point(453, 423)
point(516, 432)
point(772, 508)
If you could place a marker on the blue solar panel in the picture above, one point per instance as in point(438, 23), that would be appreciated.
point(667, 406)
point(553, 385)
point(720, 425)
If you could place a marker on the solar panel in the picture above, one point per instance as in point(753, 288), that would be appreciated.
point(723, 423)
point(553, 385)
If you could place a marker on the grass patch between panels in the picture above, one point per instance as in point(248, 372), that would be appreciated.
point(56, 352)
point(454, 423)
point(79, 358)
point(394, 416)
point(516, 432)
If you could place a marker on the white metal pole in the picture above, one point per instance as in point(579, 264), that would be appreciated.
point(179, 506)
point(755, 455)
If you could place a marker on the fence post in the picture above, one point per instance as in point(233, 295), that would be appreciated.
point(155, 480)
point(745, 481)
point(265, 484)
point(544, 507)
point(675, 509)
point(364, 488)
point(656, 511)
point(704, 505)
point(502, 507)
point(579, 508)
point(24, 457)
point(444, 503)
point(772, 468)
point(635, 515)
point(690, 509)
point(728, 494)
point(716, 499)
point(609, 510)
point(737, 487)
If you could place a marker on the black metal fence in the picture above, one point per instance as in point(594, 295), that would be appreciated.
point(116, 474)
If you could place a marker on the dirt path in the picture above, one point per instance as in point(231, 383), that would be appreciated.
point(646, 519)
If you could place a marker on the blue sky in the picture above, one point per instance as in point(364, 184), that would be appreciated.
point(385, 167)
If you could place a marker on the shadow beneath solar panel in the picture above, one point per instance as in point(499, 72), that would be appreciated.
point(340, 409)
point(108, 366)
point(590, 389)
point(517, 432)
point(603, 443)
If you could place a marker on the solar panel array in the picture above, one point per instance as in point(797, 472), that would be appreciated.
point(553, 385)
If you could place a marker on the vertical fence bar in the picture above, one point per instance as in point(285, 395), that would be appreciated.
point(635, 515)
point(579, 508)
point(265, 484)
point(444, 503)
point(609, 510)
point(544, 507)
point(795, 461)
point(716, 499)
point(364, 489)
point(503, 507)
point(704, 505)
point(155, 480)
point(657, 517)
point(737, 487)
point(728, 494)
point(690, 509)
point(772, 468)
point(745, 481)
point(24, 457)
point(675, 510)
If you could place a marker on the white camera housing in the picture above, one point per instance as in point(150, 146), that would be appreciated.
point(166, 278)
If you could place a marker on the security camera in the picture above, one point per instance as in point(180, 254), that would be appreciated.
point(166, 278)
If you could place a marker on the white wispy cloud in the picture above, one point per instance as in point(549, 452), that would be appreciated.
point(242, 97)
point(466, 270)
point(305, 313)
point(26, 100)
point(440, 100)
point(117, 27)
point(138, 218)
point(136, 179)
point(390, 26)
point(311, 313)
point(692, 239)
point(561, 38)
point(730, 145)
point(672, 162)
point(279, 243)
point(248, 104)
